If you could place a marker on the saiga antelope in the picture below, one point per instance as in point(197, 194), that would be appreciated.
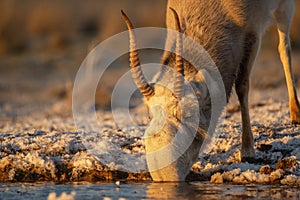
point(231, 32)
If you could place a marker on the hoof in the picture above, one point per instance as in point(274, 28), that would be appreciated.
point(248, 159)
point(295, 113)
point(248, 154)
point(295, 118)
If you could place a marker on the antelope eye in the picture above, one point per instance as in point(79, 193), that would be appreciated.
point(150, 116)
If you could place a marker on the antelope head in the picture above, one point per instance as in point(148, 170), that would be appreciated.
point(172, 141)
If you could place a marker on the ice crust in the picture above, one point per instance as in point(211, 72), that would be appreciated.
point(50, 148)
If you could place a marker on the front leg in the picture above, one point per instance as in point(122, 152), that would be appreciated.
point(251, 47)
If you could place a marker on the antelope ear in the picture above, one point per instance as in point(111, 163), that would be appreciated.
point(201, 134)
point(200, 78)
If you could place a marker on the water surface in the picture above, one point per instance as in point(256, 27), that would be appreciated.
point(148, 190)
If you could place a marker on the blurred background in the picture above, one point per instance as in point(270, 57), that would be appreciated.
point(43, 43)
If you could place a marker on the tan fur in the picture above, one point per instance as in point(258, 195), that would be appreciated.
point(231, 32)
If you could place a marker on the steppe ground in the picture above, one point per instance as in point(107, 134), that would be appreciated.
point(42, 44)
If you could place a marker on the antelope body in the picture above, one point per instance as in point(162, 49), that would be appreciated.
point(231, 32)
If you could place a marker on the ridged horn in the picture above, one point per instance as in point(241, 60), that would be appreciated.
point(135, 64)
point(179, 66)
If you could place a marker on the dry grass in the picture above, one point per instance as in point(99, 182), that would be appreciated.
point(48, 17)
point(21, 24)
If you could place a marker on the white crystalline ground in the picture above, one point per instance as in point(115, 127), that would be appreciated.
point(49, 148)
point(277, 145)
